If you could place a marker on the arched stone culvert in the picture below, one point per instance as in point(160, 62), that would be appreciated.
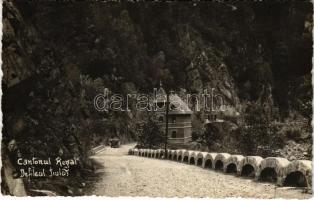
point(248, 163)
point(193, 157)
point(180, 155)
point(186, 159)
point(219, 165)
point(220, 161)
point(144, 152)
point(157, 155)
point(170, 153)
point(154, 153)
point(208, 164)
point(151, 153)
point(248, 171)
point(272, 170)
point(231, 168)
point(200, 158)
point(162, 154)
point(192, 161)
point(268, 174)
point(199, 162)
point(295, 179)
point(141, 151)
point(209, 160)
point(174, 155)
point(169, 156)
point(180, 158)
point(298, 174)
point(236, 160)
point(186, 156)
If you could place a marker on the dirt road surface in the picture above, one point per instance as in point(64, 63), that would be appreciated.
point(127, 175)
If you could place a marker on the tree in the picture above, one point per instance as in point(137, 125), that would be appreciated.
point(212, 134)
point(151, 135)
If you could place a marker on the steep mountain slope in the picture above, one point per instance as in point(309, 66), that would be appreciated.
point(58, 56)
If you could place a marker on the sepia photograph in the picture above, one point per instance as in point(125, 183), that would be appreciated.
point(201, 99)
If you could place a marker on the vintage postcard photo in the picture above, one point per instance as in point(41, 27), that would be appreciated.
point(157, 99)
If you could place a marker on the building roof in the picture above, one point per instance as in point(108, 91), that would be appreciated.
point(180, 106)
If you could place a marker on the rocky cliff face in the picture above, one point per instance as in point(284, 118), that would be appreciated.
point(58, 56)
point(43, 106)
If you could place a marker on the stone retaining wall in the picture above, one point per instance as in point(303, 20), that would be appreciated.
point(278, 170)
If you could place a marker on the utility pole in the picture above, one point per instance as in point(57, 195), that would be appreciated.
point(166, 135)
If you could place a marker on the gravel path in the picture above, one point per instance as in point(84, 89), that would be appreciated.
point(125, 175)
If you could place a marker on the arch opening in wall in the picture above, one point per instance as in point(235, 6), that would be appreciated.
point(175, 157)
point(295, 179)
point(161, 154)
point(219, 165)
point(231, 168)
point(157, 155)
point(208, 163)
point(268, 175)
point(192, 161)
point(185, 159)
point(148, 155)
point(248, 171)
point(200, 162)
point(180, 158)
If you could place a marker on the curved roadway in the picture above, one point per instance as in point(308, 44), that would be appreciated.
point(126, 175)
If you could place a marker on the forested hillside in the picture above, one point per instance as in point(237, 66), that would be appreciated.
point(58, 56)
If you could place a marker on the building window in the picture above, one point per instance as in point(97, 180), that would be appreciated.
point(173, 119)
point(161, 119)
point(174, 134)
